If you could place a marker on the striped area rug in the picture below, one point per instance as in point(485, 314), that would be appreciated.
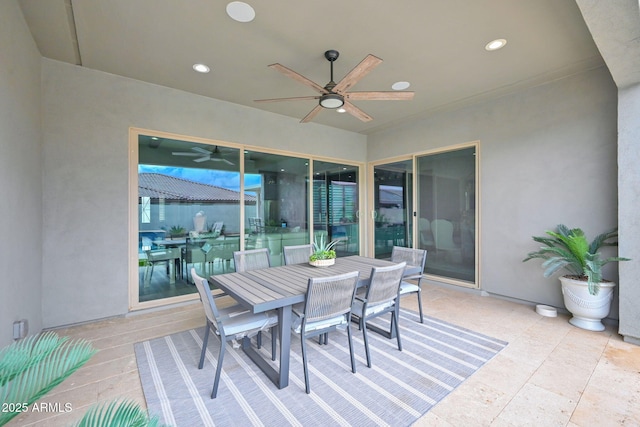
point(400, 387)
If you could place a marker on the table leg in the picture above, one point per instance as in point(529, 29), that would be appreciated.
point(284, 334)
point(279, 377)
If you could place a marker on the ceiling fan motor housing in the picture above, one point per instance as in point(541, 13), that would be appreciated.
point(331, 55)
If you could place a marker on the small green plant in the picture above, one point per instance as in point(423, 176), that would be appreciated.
point(177, 230)
point(569, 249)
point(322, 250)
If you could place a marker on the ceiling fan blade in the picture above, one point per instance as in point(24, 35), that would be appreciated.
point(228, 162)
point(298, 77)
point(180, 153)
point(202, 159)
point(360, 70)
point(311, 114)
point(201, 150)
point(379, 96)
point(295, 98)
point(356, 112)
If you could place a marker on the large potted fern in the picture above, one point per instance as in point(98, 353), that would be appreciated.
point(587, 295)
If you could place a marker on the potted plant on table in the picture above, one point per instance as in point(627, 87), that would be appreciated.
point(323, 253)
point(586, 294)
point(177, 231)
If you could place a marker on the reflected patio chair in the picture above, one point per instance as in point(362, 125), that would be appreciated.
point(229, 246)
point(380, 297)
point(443, 237)
point(426, 237)
point(297, 254)
point(327, 307)
point(415, 259)
point(167, 257)
point(230, 323)
point(253, 259)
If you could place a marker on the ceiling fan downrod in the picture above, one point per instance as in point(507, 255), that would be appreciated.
point(331, 100)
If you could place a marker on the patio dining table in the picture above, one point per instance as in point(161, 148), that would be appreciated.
point(279, 288)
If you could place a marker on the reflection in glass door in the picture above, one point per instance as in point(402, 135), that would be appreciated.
point(393, 206)
point(446, 211)
point(280, 217)
point(188, 213)
point(335, 205)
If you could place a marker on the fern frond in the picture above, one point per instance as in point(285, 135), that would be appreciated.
point(125, 413)
point(47, 369)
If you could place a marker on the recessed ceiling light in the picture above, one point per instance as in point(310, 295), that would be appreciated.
point(201, 68)
point(495, 44)
point(400, 85)
point(240, 11)
point(341, 110)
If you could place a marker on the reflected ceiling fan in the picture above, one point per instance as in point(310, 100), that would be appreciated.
point(335, 95)
point(203, 155)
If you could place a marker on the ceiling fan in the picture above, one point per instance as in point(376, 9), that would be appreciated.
point(335, 95)
point(203, 155)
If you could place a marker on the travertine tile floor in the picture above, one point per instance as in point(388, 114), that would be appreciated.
point(550, 374)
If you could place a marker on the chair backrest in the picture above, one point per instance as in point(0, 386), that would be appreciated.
point(385, 284)
point(442, 234)
point(413, 257)
point(329, 297)
point(252, 259)
point(217, 228)
point(297, 254)
point(208, 303)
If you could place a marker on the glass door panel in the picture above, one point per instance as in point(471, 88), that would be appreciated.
point(446, 194)
point(279, 185)
point(393, 206)
point(335, 205)
point(188, 213)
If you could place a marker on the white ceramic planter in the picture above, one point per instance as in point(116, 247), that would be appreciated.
point(323, 262)
point(588, 310)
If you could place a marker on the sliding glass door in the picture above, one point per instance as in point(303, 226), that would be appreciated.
point(188, 213)
point(446, 212)
point(195, 202)
point(336, 205)
point(280, 215)
point(393, 206)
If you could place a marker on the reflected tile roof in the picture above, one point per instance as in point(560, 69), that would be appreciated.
point(156, 185)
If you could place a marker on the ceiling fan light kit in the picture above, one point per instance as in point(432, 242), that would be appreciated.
point(331, 100)
point(336, 95)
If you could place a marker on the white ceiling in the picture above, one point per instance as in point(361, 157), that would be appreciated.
point(437, 45)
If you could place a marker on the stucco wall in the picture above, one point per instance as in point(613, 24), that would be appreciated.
point(629, 193)
point(547, 156)
point(86, 120)
point(20, 174)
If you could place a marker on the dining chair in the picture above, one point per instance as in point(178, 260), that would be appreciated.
point(327, 307)
point(380, 297)
point(230, 323)
point(252, 259)
point(416, 260)
point(297, 254)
